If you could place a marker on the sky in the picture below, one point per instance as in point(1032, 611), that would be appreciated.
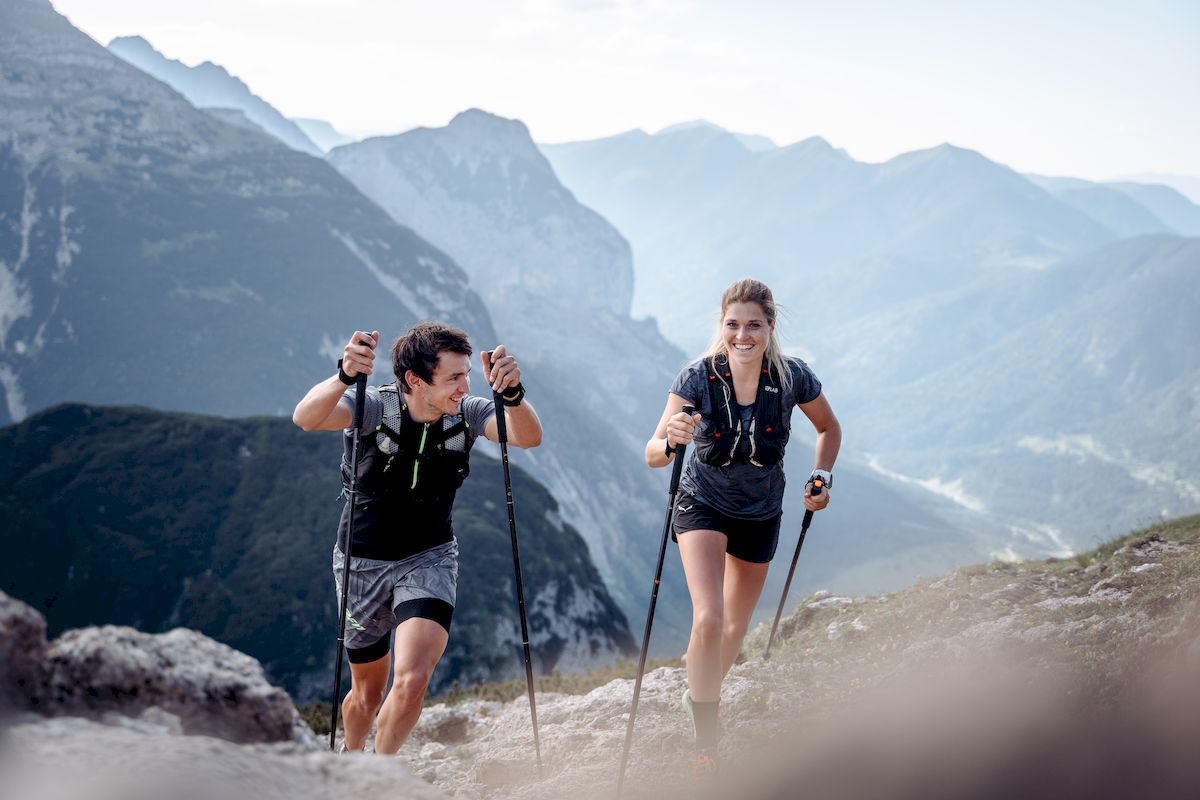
point(1093, 89)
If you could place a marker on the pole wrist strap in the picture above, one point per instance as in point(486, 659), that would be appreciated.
point(514, 396)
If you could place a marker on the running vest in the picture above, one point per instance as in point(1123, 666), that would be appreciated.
point(768, 430)
point(412, 461)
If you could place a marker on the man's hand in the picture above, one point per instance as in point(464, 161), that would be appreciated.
point(500, 369)
point(358, 357)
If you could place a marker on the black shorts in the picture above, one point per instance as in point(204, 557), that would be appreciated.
point(752, 540)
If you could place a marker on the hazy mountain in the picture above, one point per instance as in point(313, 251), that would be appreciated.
point(208, 85)
point(1166, 203)
point(751, 141)
point(227, 527)
point(322, 134)
point(1077, 417)
point(1186, 185)
point(152, 253)
point(1129, 209)
point(696, 203)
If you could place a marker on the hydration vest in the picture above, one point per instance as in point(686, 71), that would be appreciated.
point(408, 461)
point(769, 429)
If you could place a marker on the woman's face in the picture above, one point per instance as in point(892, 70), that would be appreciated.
point(746, 331)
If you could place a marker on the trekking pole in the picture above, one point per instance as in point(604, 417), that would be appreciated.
point(808, 515)
point(360, 400)
point(502, 435)
point(676, 471)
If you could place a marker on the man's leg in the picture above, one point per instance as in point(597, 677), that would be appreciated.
point(419, 645)
point(368, 682)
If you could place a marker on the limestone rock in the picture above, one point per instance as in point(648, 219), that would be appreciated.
point(211, 688)
point(22, 648)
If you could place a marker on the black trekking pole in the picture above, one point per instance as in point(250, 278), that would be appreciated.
point(360, 400)
point(502, 435)
point(808, 515)
point(676, 471)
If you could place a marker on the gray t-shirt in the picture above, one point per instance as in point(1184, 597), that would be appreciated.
point(476, 411)
point(739, 489)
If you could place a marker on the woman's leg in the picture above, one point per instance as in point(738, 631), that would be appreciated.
point(703, 554)
point(743, 585)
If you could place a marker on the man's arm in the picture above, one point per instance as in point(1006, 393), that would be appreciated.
point(321, 409)
point(523, 426)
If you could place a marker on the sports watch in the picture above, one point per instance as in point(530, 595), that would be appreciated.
point(825, 476)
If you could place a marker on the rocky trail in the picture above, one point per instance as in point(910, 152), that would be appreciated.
point(1061, 678)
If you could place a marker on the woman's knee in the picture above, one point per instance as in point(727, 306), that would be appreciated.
point(707, 623)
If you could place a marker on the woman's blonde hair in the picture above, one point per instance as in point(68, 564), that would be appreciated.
point(748, 290)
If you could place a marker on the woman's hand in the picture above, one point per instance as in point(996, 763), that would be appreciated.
point(681, 428)
point(815, 502)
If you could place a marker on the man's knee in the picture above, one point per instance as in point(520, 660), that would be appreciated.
point(366, 698)
point(409, 686)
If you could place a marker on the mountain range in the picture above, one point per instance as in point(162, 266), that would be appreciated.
point(480, 191)
point(979, 332)
point(697, 202)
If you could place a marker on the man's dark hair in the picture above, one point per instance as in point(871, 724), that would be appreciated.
point(422, 347)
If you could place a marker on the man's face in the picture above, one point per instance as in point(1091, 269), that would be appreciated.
point(451, 382)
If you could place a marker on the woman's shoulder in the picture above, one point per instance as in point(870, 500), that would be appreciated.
point(797, 365)
point(691, 374)
point(805, 384)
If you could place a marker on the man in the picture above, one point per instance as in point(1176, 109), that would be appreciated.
point(415, 441)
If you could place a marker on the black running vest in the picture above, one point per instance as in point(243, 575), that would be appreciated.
point(408, 475)
point(768, 430)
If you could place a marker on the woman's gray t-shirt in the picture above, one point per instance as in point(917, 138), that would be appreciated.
point(739, 489)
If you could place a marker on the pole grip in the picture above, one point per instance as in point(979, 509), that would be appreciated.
point(360, 400)
point(501, 419)
point(813, 490)
point(677, 467)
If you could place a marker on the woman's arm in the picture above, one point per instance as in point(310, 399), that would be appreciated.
point(829, 442)
point(674, 427)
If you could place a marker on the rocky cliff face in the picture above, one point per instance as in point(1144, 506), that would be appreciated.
point(145, 243)
point(480, 189)
point(209, 85)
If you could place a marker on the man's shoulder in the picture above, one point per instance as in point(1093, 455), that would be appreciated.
point(475, 412)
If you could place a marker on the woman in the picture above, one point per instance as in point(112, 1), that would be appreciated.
point(731, 493)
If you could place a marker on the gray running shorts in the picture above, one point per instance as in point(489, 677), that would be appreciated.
point(385, 593)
